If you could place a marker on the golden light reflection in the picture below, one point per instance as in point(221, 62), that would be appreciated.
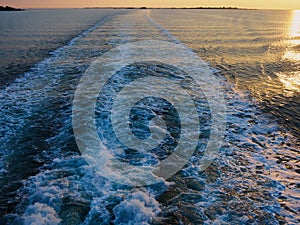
point(292, 55)
point(295, 24)
point(291, 81)
point(294, 35)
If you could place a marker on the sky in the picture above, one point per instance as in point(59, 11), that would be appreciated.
point(259, 4)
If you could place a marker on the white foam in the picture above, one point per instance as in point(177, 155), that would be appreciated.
point(41, 214)
point(137, 209)
point(69, 176)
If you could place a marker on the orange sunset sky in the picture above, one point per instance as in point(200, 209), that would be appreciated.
point(260, 4)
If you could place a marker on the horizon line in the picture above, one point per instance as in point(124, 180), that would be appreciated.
point(153, 7)
point(142, 7)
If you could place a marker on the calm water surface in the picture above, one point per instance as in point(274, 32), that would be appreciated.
point(27, 37)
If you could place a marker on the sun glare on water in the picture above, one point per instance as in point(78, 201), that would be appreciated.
point(295, 24)
point(291, 81)
point(294, 36)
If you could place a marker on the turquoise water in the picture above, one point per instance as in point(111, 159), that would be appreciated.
point(253, 180)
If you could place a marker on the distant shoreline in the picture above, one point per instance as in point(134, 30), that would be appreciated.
point(222, 8)
point(8, 8)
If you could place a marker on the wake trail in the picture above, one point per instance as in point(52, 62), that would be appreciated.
point(47, 180)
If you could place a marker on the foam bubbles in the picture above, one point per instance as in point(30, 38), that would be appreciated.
point(41, 214)
point(137, 209)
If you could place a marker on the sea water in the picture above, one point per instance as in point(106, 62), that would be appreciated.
point(254, 179)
